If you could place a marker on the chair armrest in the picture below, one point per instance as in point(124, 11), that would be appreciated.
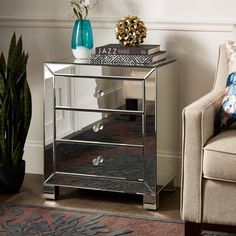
point(198, 127)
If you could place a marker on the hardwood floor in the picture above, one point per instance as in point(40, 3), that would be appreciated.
point(31, 193)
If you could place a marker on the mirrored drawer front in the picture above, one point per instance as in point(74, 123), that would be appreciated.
point(100, 127)
point(99, 183)
point(89, 93)
point(103, 161)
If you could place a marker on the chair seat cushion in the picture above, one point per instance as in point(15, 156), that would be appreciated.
point(219, 159)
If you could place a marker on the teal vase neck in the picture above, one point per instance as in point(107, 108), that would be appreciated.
point(82, 20)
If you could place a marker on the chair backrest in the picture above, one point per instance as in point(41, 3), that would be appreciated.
point(234, 33)
point(222, 66)
point(221, 70)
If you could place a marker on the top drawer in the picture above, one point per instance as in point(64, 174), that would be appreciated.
point(91, 93)
point(96, 87)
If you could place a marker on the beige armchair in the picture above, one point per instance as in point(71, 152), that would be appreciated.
point(208, 194)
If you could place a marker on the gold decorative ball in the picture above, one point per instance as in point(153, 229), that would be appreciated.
point(130, 31)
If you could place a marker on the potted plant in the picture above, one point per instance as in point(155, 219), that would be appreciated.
point(15, 116)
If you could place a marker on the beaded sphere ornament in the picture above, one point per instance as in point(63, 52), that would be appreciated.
point(130, 31)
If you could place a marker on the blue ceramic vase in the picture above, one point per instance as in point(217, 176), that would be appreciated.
point(82, 39)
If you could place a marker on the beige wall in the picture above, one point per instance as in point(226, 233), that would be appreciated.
point(189, 30)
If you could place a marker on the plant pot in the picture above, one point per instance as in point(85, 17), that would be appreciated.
point(82, 39)
point(11, 178)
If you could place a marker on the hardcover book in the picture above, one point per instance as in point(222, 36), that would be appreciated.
point(116, 49)
point(129, 60)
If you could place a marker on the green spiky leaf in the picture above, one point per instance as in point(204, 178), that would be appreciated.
point(2, 88)
point(2, 66)
point(27, 112)
point(3, 116)
point(11, 51)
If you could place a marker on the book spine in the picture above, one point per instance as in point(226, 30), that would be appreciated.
point(121, 51)
point(102, 62)
point(121, 59)
point(118, 63)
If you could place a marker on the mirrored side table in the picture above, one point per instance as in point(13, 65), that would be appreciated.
point(103, 126)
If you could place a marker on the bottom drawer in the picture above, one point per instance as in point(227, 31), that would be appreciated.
point(99, 183)
point(114, 162)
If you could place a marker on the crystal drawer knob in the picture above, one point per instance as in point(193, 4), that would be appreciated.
point(97, 127)
point(97, 160)
point(98, 93)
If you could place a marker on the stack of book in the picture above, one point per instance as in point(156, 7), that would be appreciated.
point(117, 54)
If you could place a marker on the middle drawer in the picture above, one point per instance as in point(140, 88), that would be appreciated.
point(111, 127)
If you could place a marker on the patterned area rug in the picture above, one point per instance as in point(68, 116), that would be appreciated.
point(20, 220)
point(23, 220)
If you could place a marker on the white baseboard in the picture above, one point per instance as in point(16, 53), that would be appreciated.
point(33, 156)
point(169, 165)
